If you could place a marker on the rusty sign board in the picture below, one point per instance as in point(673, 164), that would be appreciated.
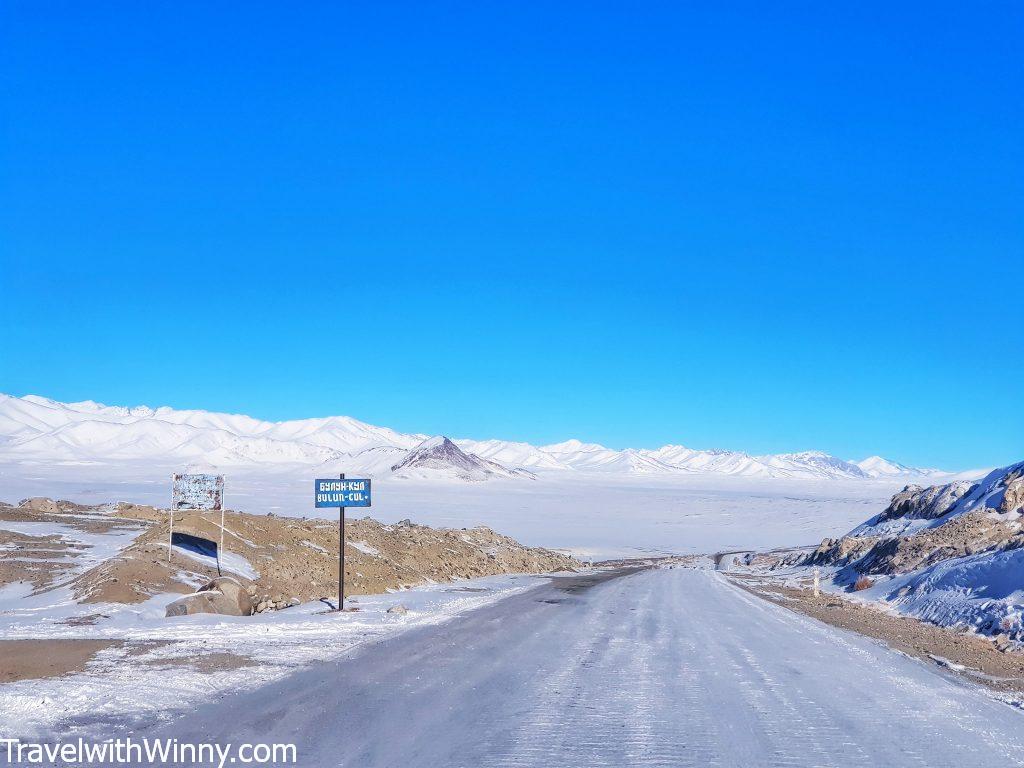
point(199, 492)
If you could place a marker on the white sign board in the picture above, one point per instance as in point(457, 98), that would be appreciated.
point(199, 492)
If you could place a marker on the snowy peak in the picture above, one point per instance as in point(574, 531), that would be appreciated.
point(815, 463)
point(591, 457)
point(440, 457)
point(512, 454)
point(876, 466)
point(677, 459)
point(573, 447)
point(439, 444)
point(713, 461)
point(807, 464)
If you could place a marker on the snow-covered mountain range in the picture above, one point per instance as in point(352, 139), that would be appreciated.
point(40, 430)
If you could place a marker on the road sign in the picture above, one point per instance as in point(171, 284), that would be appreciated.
point(341, 493)
point(199, 492)
point(202, 493)
point(336, 492)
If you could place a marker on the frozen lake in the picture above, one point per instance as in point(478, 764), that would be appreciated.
point(592, 515)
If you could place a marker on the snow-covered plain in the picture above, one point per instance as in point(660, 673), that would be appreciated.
point(594, 516)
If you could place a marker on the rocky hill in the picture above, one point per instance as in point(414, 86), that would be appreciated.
point(952, 553)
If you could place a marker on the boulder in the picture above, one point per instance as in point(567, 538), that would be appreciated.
point(224, 595)
point(232, 588)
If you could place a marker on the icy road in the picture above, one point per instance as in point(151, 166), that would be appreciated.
point(652, 668)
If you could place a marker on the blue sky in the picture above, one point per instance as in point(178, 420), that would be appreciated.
point(767, 227)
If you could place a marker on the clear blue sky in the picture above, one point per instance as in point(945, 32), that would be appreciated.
point(761, 226)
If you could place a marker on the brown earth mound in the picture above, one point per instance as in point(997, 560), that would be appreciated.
point(290, 559)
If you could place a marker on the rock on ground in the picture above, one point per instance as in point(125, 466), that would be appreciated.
point(224, 595)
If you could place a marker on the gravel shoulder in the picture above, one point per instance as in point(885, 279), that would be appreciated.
point(971, 656)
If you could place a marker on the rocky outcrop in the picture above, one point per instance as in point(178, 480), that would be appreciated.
point(964, 535)
point(925, 503)
point(841, 551)
point(978, 518)
point(1013, 493)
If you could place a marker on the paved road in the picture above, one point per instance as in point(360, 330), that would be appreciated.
point(655, 668)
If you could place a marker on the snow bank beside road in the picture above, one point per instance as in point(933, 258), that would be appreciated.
point(161, 666)
point(983, 593)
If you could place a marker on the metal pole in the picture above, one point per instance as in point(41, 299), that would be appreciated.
point(220, 547)
point(341, 552)
point(170, 530)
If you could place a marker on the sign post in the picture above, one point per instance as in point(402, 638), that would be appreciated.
point(341, 553)
point(341, 493)
point(203, 493)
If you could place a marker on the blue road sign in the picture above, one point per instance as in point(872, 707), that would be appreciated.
point(350, 492)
